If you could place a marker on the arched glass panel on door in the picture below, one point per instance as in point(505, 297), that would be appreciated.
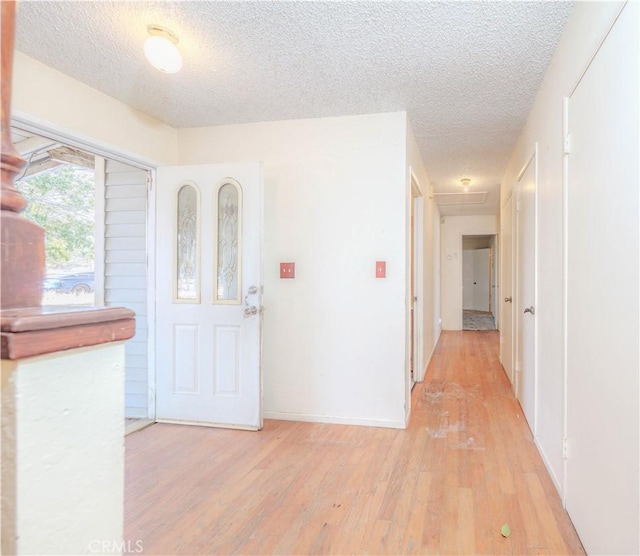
point(187, 248)
point(228, 244)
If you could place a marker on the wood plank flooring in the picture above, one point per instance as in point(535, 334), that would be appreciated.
point(465, 466)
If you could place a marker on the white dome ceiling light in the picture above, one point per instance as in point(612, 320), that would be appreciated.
point(161, 50)
point(466, 182)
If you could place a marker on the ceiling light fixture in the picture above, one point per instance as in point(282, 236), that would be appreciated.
point(465, 184)
point(161, 50)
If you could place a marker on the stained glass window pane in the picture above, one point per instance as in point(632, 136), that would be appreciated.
point(187, 248)
point(228, 234)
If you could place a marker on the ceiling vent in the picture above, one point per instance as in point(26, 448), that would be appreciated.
point(474, 198)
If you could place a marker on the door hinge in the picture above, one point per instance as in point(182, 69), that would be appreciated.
point(566, 144)
point(565, 448)
point(149, 181)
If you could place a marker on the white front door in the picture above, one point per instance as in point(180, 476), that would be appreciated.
point(525, 298)
point(208, 294)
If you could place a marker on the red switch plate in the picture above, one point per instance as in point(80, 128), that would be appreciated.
point(381, 269)
point(287, 270)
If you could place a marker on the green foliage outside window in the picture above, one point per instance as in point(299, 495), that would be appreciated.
point(61, 201)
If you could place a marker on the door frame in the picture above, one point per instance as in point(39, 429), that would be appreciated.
point(494, 261)
point(533, 159)
point(39, 127)
point(416, 276)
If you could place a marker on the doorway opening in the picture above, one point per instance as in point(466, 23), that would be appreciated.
point(94, 211)
point(479, 282)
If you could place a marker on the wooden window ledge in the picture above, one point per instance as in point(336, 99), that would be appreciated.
point(31, 331)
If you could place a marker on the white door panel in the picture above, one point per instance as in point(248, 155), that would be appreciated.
point(209, 283)
point(602, 277)
point(506, 290)
point(525, 297)
point(468, 273)
point(481, 279)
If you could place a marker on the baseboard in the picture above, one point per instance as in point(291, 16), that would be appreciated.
point(206, 424)
point(309, 418)
point(433, 350)
point(554, 479)
point(426, 366)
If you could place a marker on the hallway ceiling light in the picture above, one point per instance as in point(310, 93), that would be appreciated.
point(161, 50)
point(466, 182)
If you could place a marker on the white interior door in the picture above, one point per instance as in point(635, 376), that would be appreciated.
point(468, 273)
point(506, 289)
point(208, 292)
point(495, 280)
point(481, 279)
point(603, 273)
point(525, 298)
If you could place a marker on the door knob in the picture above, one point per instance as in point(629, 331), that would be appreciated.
point(251, 291)
point(250, 311)
point(530, 310)
point(507, 300)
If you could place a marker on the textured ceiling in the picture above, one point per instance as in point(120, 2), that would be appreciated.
point(466, 72)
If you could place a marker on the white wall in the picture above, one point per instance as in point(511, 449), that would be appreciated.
point(431, 240)
point(63, 453)
point(584, 31)
point(452, 228)
point(335, 202)
point(52, 100)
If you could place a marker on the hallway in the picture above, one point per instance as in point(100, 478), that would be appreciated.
point(465, 466)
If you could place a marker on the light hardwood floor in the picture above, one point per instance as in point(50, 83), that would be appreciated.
point(465, 466)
